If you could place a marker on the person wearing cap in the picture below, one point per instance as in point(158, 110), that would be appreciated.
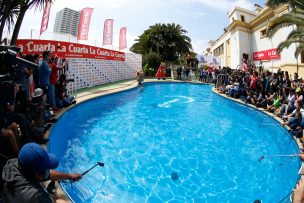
point(22, 176)
point(62, 99)
point(41, 114)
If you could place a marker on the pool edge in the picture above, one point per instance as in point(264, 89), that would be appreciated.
point(279, 120)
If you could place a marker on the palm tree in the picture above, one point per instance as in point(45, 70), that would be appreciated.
point(294, 18)
point(25, 6)
point(292, 3)
point(168, 40)
point(8, 13)
point(182, 42)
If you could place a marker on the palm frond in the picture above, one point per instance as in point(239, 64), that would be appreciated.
point(292, 3)
point(297, 33)
point(287, 43)
point(299, 49)
point(285, 21)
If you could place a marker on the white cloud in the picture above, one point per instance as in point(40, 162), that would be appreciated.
point(225, 5)
point(201, 14)
point(130, 40)
point(178, 11)
point(199, 45)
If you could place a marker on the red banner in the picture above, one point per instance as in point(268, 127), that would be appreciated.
point(68, 50)
point(45, 17)
point(260, 55)
point(266, 55)
point(84, 23)
point(123, 38)
point(108, 32)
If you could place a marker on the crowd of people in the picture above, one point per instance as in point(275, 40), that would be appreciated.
point(279, 93)
point(28, 106)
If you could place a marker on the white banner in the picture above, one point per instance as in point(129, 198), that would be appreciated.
point(212, 61)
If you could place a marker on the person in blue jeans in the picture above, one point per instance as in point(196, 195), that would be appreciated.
point(296, 124)
point(44, 75)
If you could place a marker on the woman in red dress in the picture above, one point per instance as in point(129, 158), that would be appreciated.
point(161, 71)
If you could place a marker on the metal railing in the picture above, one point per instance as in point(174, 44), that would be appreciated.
point(221, 79)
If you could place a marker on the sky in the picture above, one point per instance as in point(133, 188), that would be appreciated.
point(203, 19)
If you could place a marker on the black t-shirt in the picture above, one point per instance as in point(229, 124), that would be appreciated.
point(59, 90)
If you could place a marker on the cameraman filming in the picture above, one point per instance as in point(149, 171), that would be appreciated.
point(62, 99)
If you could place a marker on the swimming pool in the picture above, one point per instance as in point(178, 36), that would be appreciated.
point(145, 135)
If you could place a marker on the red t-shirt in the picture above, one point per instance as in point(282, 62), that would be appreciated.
point(54, 73)
point(253, 82)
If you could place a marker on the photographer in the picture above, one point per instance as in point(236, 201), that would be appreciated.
point(15, 106)
point(53, 79)
point(41, 111)
point(62, 99)
point(44, 74)
point(36, 70)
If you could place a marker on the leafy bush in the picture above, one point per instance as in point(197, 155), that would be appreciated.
point(151, 62)
point(149, 71)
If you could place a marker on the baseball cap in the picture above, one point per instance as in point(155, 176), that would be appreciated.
point(38, 92)
point(33, 158)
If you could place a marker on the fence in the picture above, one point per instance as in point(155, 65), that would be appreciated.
point(221, 80)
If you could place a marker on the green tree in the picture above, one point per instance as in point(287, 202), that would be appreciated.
point(167, 40)
point(292, 3)
point(26, 5)
point(152, 59)
point(293, 18)
point(9, 10)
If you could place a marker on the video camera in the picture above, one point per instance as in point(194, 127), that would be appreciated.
point(9, 63)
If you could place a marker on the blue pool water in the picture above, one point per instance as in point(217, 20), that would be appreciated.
point(173, 143)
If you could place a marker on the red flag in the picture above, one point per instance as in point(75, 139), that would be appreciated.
point(84, 23)
point(108, 32)
point(45, 17)
point(123, 38)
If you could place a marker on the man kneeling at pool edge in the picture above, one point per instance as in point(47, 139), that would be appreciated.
point(22, 176)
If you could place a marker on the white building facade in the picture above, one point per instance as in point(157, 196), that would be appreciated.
point(245, 38)
point(67, 21)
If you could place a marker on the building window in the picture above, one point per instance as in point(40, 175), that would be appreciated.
point(263, 33)
point(219, 50)
point(232, 18)
point(242, 18)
